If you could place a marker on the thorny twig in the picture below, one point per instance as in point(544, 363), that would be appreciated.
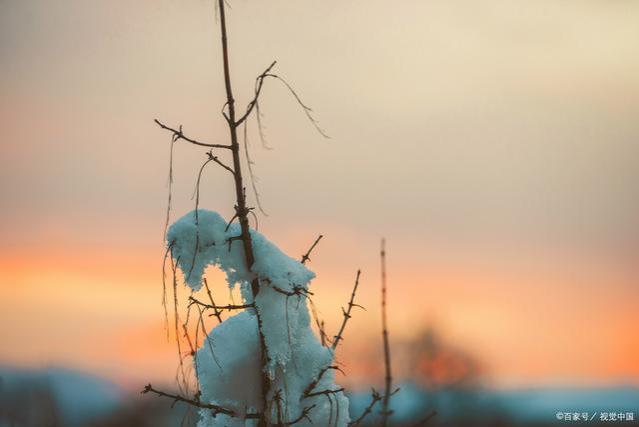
point(347, 313)
point(306, 256)
point(318, 322)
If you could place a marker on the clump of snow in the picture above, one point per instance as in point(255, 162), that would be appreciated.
point(229, 363)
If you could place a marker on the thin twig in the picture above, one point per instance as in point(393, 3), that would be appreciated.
point(297, 290)
point(424, 421)
point(388, 378)
point(209, 339)
point(306, 256)
point(316, 381)
point(217, 313)
point(347, 313)
point(193, 300)
point(197, 403)
point(319, 323)
point(219, 162)
point(375, 397)
point(302, 416)
point(178, 134)
point(324, 392)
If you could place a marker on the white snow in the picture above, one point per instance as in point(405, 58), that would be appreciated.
point(231, 378)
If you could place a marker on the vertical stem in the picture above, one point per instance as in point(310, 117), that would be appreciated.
point(242, 212)
point(387, 362)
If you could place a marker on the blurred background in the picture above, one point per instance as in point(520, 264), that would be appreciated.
point(494, 144)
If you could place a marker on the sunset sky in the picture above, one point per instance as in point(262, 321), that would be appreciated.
point(494, 144)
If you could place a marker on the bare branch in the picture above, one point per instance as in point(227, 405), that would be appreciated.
point(297, 290)
point(388, 378)
point(319, 323)
point(219, 162)
point(347, 313)
point(178, 134)
point(424, 421)
point(325, 392)
point(316, 381)
point(375, 397)
point(217, 313)
point(303, 415)
point(193, 300)
point(247, 242)
point(306, 256)
point(197, 403)
point(209, 339)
